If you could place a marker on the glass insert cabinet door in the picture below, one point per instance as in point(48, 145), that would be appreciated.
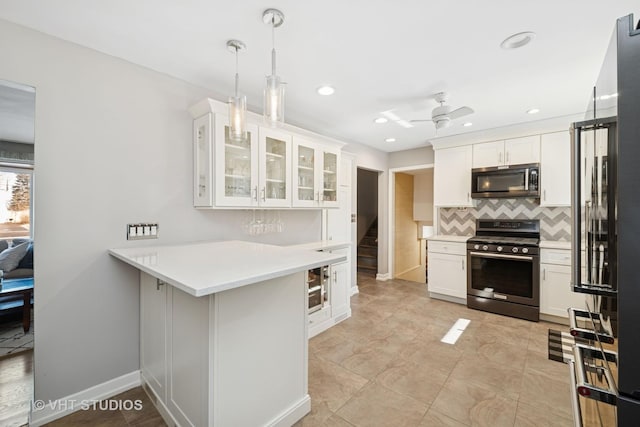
point(306, 170)
point(275, 168)
point(330, 177)
point(236, 166)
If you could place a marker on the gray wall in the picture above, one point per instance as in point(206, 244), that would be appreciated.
point(113, 145)
point(416, 156)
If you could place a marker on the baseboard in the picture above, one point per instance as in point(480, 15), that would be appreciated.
point(293, 414)
point(417, 267)
point(354, 290)
point(554, 319)
point(43, 412)
point(448, 298)
point(383, 277)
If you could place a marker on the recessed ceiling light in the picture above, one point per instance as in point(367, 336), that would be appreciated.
point(380, 120)
point(390, 140)
point(326, 90)
point(518, 40)
point(533, 111)
point(467, 124)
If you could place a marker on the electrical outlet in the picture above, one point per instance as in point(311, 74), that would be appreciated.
point(142, 231)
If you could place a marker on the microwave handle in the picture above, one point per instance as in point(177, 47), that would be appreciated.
point(526, 179)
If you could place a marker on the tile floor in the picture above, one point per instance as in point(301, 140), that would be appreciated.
point(386, 366)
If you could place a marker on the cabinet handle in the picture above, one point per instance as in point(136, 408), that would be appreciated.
point(318, 196)
point(468, 197)
point(499, 157)
point(335, 276)
point(462, 261)
point(264, 194)
point(507, 157)
point(158, 284)
point(544, 274)
point(544, 195)
point(255, 193)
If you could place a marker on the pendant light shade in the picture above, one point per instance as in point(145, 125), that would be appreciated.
point(237, 102)
point(274, 90)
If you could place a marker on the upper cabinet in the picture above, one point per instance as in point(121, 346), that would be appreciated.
point(555, 169)
point(265, 170)
point(274, 160)
point(315, 170)
point(236, 166)
point(255, 172)
point(452, 176)
point(509, 152)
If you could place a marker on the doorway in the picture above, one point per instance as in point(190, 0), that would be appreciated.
point(367, 222)
point(411, 221)
point(17, 129)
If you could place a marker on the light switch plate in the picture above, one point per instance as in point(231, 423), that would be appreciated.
point(142, 231)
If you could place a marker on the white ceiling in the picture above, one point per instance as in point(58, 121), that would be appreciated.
point(379, 54)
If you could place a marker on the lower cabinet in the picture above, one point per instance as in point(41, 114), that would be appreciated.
point(153, 342)
point(339, 288)
point(447, 271)
point(556, 294)
point(214, 360)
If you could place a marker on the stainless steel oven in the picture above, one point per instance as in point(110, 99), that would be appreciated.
point(503, 268)
point(317, 282)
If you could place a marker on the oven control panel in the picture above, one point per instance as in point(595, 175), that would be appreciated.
point(503, 248)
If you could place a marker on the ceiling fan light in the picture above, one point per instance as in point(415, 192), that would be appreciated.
point(390, 140)
point(533, 111)
point(380, 120)
point(467, 124)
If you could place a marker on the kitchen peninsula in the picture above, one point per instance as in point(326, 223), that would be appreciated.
point(223, 330)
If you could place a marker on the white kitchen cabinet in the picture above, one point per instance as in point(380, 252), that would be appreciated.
point(556, 294)
point(316, 170)
point(509, 152)
point(203, 161)
point(447, 269)
point(153, 332)
point(555, 169)
point(340, 296)
point(236, 166)
point(452, 177)
point(255, 172)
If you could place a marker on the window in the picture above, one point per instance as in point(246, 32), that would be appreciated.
point(15, 203)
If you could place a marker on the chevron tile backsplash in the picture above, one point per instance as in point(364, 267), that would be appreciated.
point(555, 223)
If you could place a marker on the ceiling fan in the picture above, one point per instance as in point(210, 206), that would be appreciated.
point(442, 115)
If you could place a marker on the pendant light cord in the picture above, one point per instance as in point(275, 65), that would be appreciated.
point(237, 75)
point(273, 44)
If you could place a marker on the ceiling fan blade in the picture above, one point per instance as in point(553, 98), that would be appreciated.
point(420, 120)
point(460, 112)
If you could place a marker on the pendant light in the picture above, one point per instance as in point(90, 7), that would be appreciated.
point(237, 102)
point(274, 91)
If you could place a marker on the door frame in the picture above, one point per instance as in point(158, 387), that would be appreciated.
point(391, 214)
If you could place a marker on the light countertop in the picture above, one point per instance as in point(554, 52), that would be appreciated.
point(322, 245)
point(204, 268)
point(449, 238)
point(552, 244)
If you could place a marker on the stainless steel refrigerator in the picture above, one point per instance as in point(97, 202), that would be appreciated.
point(606, 232)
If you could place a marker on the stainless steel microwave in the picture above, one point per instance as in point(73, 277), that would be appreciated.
point(506, 181)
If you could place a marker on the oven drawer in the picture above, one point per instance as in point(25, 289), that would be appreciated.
point(452, 248)
point(555, 256)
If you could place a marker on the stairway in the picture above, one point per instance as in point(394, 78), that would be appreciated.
point(368, 251)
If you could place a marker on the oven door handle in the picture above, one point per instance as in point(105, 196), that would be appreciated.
point(517, 257)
